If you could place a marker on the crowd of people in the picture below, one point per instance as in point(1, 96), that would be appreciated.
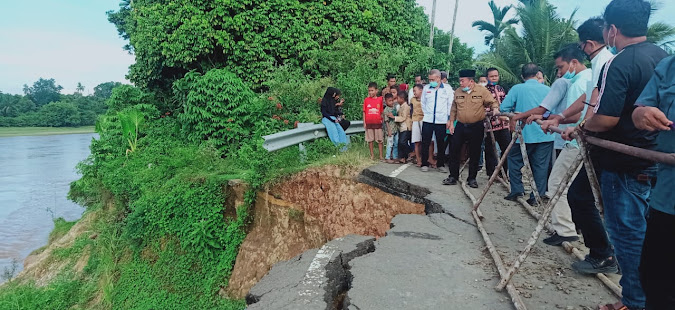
point(625, 96)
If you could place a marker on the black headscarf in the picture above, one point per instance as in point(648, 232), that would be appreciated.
point(328, 102)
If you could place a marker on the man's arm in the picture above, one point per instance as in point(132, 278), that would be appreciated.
point(491, 101)
point(612, 98)
point(536, 111)
point(648, 114)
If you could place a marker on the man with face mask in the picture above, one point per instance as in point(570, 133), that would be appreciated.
point(468, 108)
point(580, 199)
point(436, 103)
point(626, 181)
point(574, 74)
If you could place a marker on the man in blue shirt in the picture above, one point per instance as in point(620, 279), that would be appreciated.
point(654, 113)
point(521, 98)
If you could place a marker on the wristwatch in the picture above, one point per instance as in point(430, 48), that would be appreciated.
point(546, 115)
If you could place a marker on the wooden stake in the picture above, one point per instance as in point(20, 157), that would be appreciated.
point(540, 225)
point(496, 172)
point(494, 146)
point(526, 163)
point(513, 292)
point(592, 176)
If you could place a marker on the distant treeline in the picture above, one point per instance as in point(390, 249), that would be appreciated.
point(43, 105)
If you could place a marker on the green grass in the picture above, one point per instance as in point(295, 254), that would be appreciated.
point(43, 131)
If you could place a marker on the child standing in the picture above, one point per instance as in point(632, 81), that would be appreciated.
point(405, 120)
point(391, 128)
point(417, 117)
point(372, 119)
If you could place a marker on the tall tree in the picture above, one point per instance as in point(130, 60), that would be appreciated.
point(543, 34)
point(79, 88)
point(662, 35)
point(43, 92)
point(104, 90)
point(498, 26)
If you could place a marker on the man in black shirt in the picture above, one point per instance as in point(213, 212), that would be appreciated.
point(626, 182)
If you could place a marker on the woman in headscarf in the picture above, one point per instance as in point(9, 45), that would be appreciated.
point(331, 111)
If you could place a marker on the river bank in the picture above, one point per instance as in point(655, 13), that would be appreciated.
point(43, 131)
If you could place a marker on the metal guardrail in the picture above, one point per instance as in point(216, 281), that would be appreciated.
point(301, 134)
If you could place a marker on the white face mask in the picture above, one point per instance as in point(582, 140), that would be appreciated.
point(483, 84)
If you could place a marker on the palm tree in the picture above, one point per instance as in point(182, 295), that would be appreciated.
point(662, 35)
point(79, 88)
point(543, 34)
point(495, 29)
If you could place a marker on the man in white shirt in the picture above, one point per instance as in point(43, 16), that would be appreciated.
point(571, 69)
point(436, 103)
point(580, 197)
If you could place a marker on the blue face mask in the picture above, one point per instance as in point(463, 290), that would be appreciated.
point(612, 49)
point(466, 89)
point(569, 75)
point(491, 83)
point(433, 84)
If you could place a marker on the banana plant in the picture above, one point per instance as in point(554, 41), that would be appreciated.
point(131, 121)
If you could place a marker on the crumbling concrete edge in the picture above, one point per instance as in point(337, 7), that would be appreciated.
point(405, 190)
point(323, 281)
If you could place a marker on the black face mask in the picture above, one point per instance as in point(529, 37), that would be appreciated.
point(588, 56)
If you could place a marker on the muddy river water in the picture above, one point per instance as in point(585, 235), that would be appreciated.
point(35, 173)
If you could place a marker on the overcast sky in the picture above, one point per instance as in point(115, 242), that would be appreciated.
point(72, 41)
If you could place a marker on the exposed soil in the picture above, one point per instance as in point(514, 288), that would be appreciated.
point(304, 212)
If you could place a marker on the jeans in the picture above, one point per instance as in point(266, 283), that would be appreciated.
point(335, 132)
point(428, 130)
point(587, 217)
point(656, 266)
point(561, 217)
point(503, 138)
point(625, 200)
point(472, 133)
point(392, 148)
point(540, 158)
point(403, 144)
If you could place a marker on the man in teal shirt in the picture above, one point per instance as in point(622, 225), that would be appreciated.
point(524, 97)
point(655, 112)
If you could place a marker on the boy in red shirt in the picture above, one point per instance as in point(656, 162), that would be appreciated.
point(372, 119)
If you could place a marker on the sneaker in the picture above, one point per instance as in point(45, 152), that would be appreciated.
point(592, 265)
point(442, 169)
point(513, 196)
point(424, 169)
point(532, 201)
point(450, 181)
point(472, 183)
point(557, 240)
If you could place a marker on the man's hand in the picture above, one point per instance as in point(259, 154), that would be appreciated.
point(551, 122)
point(495, 112)
point(651, 118)
point(567, 133)
point(390, 115)
point(451, 127)
point(533, 118)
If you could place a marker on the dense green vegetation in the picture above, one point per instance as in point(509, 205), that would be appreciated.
point(43, 105)
point(211, 79)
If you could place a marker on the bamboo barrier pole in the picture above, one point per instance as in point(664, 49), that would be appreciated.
point(540, 226)
point(496, 258)
point(494, 146)
point(592, 175)
point(526, 163)
point(510, 288)
point(569, 248)
point(496, 172)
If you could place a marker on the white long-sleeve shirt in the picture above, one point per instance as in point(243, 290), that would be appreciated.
point(436, 103)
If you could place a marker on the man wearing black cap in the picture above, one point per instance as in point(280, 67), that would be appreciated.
point(468, 109)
